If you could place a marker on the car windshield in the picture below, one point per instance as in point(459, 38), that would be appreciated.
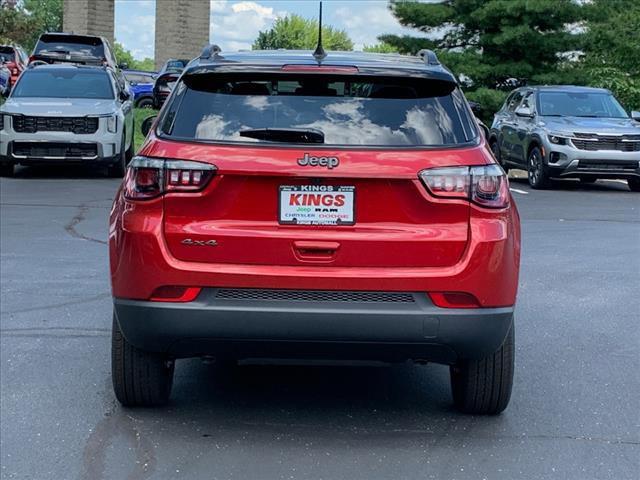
point(59, 83)
point(580, 104)
point(7, 55)
point(69, 45)
point(319, 109)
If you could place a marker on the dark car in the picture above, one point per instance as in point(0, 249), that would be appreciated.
point(15, 59)
point(291, 205)
point(141, 86)
point(567, 132)
point(166, 79)
point(71, 48)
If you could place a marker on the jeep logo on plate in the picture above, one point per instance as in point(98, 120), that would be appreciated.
point(311, 161)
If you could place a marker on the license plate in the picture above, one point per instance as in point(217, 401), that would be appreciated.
point(316, 205)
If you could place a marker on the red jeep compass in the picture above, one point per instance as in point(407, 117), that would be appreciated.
point(290, 206)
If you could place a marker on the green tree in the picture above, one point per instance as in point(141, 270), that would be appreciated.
point(381, 47)
point(611, 55)
point(298, 33)
point(125, 57)
point(23, 22)
point(489, 43)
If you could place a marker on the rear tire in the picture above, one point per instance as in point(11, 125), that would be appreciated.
point(484, 386)
point(634, 184)
point(145, 103)
point(536, 172)
point(6, 170)
point(140, 379)
point(118, 169)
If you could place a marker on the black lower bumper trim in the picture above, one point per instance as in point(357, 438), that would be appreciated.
point(341, 329)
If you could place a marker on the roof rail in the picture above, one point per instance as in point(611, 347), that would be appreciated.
point(209, 51)
point(429, 57)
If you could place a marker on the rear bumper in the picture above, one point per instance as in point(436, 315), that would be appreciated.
point(253, 326)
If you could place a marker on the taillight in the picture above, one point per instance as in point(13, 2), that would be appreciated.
point(14, 71)
point(148, 178)
point(485, 185)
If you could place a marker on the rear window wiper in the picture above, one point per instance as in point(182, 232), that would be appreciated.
point(293, 135)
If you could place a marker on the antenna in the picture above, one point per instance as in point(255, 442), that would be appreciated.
point(319, 53)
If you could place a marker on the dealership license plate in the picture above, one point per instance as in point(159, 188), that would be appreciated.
point(317, 205)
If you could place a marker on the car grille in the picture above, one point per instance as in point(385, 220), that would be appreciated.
point(314, 296)
point(54, 150)
point(594, 142)
point(78, 125)
point(603, 165)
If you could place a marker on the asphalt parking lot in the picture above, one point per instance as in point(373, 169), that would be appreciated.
point(573, 415)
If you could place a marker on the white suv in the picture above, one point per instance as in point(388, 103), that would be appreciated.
point(67, 114)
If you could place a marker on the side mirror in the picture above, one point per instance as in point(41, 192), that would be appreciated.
point(124, 96)
point(147, 123)
point(635, 115)
point(123, 66)
point(524, 112)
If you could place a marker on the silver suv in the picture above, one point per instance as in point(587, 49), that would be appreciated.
point(67, 114)
point(567, 132)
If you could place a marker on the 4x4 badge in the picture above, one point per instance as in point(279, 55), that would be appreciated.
point(311, 161)
point(199, 243)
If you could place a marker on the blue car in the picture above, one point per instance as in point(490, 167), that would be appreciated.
point(141, 85)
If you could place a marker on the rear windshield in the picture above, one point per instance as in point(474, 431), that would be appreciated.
point(7, 54)
point(580, 104)
point(366, 111)
point(72, 45)
point(65, 83)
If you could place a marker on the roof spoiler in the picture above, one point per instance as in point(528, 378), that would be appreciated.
point(429, 57)
point(209, 51)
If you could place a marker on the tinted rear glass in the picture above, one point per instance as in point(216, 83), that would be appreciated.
point(65, 83)
point(7, 54)
point(74, 45)
point(345, 110)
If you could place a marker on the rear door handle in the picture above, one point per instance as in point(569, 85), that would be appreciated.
point(315, 250)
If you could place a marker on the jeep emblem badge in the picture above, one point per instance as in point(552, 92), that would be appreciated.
point(311, 161)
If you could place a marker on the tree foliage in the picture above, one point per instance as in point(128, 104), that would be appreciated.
point(298, 33)
point(23, 22)
point(124, 56)
point(494, 45)
point(381, 47)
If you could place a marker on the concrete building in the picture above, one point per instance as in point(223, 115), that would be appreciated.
point(88, 17)
point(182, 29)
point(182, 26)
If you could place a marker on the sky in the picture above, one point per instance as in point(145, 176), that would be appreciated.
point(234, 24)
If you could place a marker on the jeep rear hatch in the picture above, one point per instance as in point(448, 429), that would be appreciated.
point(347, 194)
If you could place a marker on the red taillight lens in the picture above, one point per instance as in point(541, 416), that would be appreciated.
point(14, 71)
point(150, 177)
point(485, 185)
point(454, 300)
point(175, 294)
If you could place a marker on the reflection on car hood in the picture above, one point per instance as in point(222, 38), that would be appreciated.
point(56, 107)
point(602, 126)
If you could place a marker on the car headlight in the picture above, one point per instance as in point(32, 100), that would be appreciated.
point(112, 124)
point(558, 139)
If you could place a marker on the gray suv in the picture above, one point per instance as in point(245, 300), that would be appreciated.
point(567, 132)
point(67, 114)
